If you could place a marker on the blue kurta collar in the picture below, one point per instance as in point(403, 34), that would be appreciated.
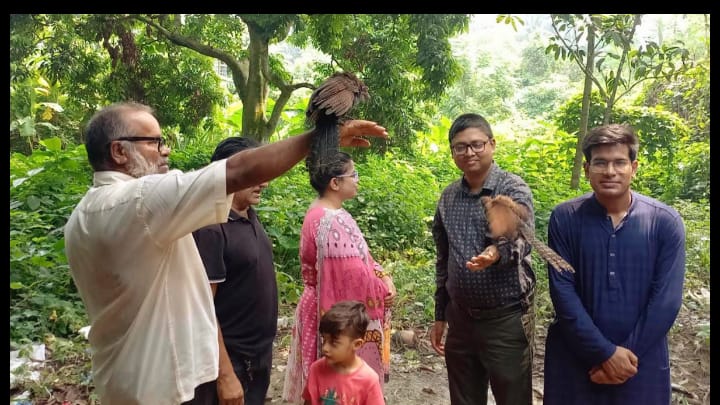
point(601, 209)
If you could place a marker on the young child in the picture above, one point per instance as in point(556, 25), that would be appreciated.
point(340, 376)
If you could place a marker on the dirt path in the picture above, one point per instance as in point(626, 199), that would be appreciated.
point(418, 375)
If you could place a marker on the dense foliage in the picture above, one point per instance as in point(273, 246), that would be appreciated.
point(394, 208)
point(61, 70)
point(97, 59)
point(44, 188)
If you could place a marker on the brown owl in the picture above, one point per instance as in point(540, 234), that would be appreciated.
point(506, 219)
point(337, 96)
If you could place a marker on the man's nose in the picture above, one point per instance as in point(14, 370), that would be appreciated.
point(610, 168)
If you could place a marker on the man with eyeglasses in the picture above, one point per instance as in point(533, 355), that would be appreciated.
point(134, 261)
point(608, 342)
point(484, 286)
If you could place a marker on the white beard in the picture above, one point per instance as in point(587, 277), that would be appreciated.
point(138, 166)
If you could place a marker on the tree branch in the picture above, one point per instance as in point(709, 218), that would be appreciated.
point(627, 41)
point(237, 67)
point(285, 93)
point(578, 61)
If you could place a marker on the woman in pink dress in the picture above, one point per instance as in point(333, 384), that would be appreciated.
point(336, 265)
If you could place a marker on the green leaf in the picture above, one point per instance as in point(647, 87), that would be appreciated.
point(54, 106)
point(19, 181)
point(33, 202)
point(46, 125)
point(54, 144)
point(27, 129)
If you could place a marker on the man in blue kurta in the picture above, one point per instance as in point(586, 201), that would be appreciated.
point(608, 341)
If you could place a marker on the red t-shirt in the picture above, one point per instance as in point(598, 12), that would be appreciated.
point(327, 386)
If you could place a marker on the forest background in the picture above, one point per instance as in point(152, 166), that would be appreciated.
point(541, 80)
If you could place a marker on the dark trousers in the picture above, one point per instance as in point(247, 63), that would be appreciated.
point(497, 350)
point(205, 394)
point(254, 374)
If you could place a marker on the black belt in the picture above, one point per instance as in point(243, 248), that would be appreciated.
point(481, 313)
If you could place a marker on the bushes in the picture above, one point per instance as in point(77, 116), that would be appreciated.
point(394, 209)
point(44, 189)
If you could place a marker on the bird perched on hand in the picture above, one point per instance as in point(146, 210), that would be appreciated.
point(328, 106)
point(507, 219)
point(336, 96)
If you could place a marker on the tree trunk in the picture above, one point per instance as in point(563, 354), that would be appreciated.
point(585, 112)
point(255, 98)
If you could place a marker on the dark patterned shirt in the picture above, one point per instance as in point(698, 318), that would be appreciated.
point(460, 230)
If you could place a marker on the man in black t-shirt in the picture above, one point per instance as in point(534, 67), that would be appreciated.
point(238, 259)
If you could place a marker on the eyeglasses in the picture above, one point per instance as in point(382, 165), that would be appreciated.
point(355, 176)
point(461, 148)
point(159, 139)
point(620, 166)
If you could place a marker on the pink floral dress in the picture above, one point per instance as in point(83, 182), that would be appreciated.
point(336, 266)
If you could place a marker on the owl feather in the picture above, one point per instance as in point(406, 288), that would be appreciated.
point(336, 96)
point(328, 106)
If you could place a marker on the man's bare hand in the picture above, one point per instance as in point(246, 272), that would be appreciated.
point(436, 337)
point(488, 256)
point(617, 369)
point(230, 390)
point(353, 131)
point(598, 376)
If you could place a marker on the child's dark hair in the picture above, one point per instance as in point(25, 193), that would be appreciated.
point(345, 317)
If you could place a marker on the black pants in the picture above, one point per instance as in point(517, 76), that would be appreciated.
point(254, 374)
point(497, 350)
point(205, 394)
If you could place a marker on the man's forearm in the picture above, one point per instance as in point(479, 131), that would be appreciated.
point(224, 364)
point(256, 165)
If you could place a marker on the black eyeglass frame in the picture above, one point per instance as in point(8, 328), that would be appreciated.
point(159, 139)
point(481, 149)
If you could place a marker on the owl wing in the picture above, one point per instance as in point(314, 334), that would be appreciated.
point(337, 95)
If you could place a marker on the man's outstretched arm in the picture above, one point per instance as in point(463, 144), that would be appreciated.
point(254, 166)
